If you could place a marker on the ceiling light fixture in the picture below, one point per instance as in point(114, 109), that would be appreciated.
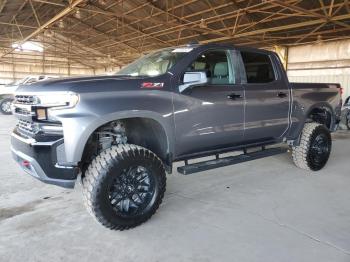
point(77, 14)
point(28, 46)
point(61, 24)
point(203, 24)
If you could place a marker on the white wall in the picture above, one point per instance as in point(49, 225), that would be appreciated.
point(18, 66)
point(325, 62)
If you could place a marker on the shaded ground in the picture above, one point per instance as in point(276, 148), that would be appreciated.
point(265, 210)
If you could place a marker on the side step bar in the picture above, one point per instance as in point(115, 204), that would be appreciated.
point(227, 161)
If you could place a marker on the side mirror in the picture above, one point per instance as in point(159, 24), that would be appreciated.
point(193, 79)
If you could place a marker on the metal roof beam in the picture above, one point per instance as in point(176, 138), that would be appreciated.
point(281, 28)
point(2, 5)
point(57, 17)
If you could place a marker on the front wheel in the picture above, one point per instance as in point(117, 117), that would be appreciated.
point(124, 186)
point(314, 149)
point(5, 106)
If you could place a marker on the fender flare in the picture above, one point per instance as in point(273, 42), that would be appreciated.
point(294, 137)
point(165, 122)
point(327, 107)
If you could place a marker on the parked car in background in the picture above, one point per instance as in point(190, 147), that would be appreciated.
point(347, 113)
point(7, 91)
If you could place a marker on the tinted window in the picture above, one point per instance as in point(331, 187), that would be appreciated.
point(258, 68)
point(217, 66)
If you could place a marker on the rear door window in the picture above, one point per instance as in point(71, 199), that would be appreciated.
point(258, 68)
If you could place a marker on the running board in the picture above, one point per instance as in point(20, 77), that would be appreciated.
point(227, 161)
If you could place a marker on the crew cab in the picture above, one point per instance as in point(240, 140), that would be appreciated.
point(120, 134)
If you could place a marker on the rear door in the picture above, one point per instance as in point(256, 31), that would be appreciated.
point(210, 116)
point(267, 97)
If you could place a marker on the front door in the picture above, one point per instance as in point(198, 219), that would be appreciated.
point(210, 116)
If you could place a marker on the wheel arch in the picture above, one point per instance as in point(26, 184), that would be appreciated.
point(321, 113)
point(306, 115)
point(142, 130)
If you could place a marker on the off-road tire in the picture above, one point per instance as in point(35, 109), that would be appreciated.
point(304, 155)
point(106, 168)
point(2, 103)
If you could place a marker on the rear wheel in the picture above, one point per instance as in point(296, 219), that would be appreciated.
point(5, 106)
point(314, 149)
point(124, 186)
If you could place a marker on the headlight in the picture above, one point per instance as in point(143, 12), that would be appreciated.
point(58, 100)
point(48, 103)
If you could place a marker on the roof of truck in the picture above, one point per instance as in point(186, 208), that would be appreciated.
point(219, 45)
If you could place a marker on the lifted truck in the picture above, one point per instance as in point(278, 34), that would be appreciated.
point(122, 133)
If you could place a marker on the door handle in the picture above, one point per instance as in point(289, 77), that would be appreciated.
point(282, 94)
point(234, 96)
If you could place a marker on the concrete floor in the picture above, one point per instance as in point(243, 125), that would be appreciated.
point(266, 210)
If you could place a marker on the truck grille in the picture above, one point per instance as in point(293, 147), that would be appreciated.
point(27, 127)
point(23, 111)
point(25, 100)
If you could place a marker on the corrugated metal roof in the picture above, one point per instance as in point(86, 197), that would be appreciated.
point(101, 32)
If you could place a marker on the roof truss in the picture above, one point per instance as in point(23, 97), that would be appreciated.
point(118, 31)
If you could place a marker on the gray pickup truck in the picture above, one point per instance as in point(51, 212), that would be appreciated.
point(120, 134)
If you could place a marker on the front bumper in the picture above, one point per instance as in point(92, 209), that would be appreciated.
point(42, 160)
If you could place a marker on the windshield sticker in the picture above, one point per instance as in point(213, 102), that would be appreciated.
point(182, 50)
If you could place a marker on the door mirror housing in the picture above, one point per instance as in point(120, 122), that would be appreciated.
point(193, 79)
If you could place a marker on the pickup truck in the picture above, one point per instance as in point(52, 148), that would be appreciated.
point(119, 135)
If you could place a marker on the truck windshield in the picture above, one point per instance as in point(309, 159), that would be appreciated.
point(155, 64)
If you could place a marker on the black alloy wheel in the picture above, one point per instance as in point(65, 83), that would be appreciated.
point(132, 192)
point(314, 147)
point(320, 148)
point(124, 186)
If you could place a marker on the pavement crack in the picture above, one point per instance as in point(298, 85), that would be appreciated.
point(294, 229)
point(274, 221)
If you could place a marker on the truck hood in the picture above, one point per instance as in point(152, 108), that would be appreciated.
point(86, 84)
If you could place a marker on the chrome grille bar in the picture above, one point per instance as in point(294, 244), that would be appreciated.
point(25, 99)
point(27, 127)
